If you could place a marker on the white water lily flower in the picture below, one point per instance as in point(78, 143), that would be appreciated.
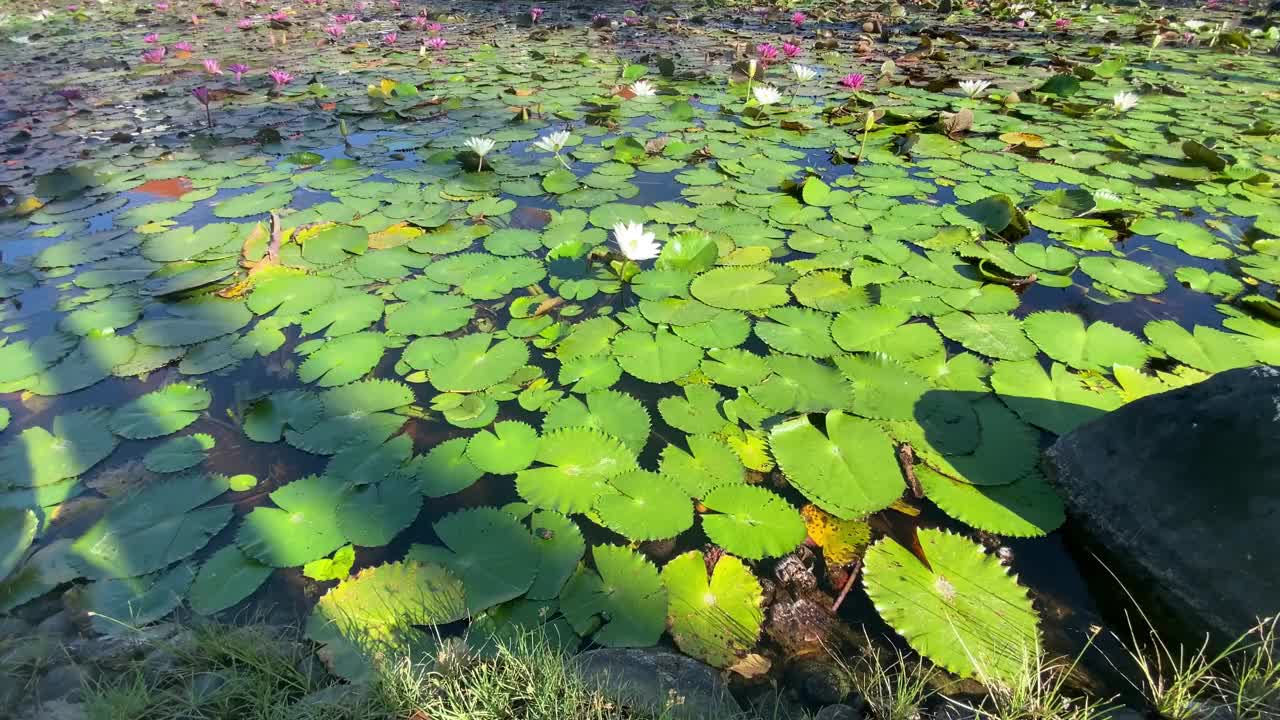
point(554, 142)
point(480, 146)
point(635, 243)
point(974, 88)
point(1195, 25)
point(766, 94)
point(1027, 16)
point(751, 68)
point(1105, 195)
point(1124, 101)
point(643, 88)
point(803, 73)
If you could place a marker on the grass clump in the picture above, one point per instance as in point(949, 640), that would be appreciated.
point(219, 672)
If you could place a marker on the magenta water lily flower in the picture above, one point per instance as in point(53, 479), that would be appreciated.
point(154, 56)
point(280, 78)
point(790, 50)
point(151, 38)
point(767, 52)
point(798, 18)
point(161, 6)
point(436, 43)
point(238, 70)
point(212, 66)
point(535, 13)
point(853, 81)
point(390, 38)
point(183, 47)
point(1062, 23)
point(344, 18)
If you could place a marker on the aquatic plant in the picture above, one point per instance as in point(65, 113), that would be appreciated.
point(481, 147)
point(974, 88)
point(213, 67)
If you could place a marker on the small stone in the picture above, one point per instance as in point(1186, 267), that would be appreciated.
point(12, 627)
point(838, 712)
point(58, 624)
point(205, 684)
point(58, 710)
point(64, 682)
point(661, 682)
point(36, 650)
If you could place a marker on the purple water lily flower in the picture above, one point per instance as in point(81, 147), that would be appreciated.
point(853, 81)
point(202, 96)
point(238, 70)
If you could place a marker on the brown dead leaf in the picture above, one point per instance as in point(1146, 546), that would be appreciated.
point(752, 666)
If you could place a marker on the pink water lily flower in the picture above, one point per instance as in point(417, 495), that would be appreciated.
point(767, 52)
point(238, 70)
point(183, 47)
point(154, 56)
point(151, 38)
point(335, 31)
point(798, 18)
point(436, 43)
point(280, 16)
point(419, 21)
point(395, 4)
point(435, 27)
point(535, 13)
point(212, 66)
point(853, 81)
point(630, 20)
point(1062, 23)
point(245, 24)
point(390, 38)
point(362, 5)
point(161, 6)
point(280, 77)
point(790, 50)
point(344, 18)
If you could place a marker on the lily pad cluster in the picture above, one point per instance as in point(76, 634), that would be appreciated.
point(385, 287)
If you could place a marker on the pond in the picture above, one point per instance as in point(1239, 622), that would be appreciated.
point(596, 318)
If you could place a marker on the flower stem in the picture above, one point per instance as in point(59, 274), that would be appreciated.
point(208, 116)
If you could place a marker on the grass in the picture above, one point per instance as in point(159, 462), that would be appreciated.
point(220, 672)
point(895, 689)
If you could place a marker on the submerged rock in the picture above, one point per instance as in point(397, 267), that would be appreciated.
point(1181, 491)
point(660, 682)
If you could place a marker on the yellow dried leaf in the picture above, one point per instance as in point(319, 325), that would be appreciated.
point(842, 541)
point(1030, 140)
point(394, 236)
point(752, 666)
point(27, 205)
point(905, 508)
